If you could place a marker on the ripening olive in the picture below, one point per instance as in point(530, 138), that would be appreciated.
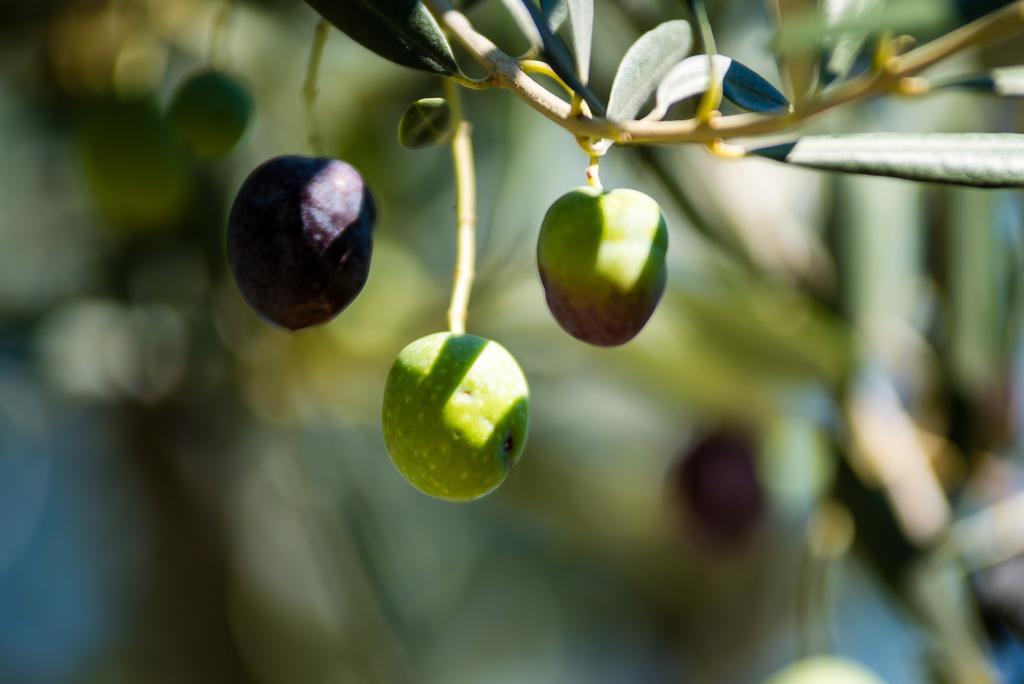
point(601, 257)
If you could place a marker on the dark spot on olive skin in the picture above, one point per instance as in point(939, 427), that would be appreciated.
point(509, 444)
point(300, 238)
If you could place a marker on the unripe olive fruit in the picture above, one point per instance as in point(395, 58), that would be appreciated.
point(209, 113)
point(134, 171)
point(300, 237)
point(456, 413)
point(601, 258)
point(825, 670)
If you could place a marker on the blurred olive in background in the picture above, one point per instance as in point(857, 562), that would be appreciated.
point(825, 670)
point(715, 483)
point(210, 113)
point(131, 165)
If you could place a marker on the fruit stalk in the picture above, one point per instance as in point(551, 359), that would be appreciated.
point(220, 20)
point(465, 211)
point(309, 87)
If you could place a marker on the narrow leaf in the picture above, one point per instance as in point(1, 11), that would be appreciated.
point(521, 15)
point(806, 31)
point(645, 64)
point(402, 31)
point(1008, 82)
point(561, 59)
point(740, 84)
point(846, 45)
point(746, 88)
point(581, 19)
point(556, 12)
point(800, 71)
point(987, 160)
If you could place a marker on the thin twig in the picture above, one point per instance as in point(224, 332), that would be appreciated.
point(505, 73)
point(309, 88)
point(465, 211)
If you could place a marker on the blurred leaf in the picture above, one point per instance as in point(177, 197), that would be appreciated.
point(1008, 82)
point(991, 160)
point(645, 64)
point(561, 59)
point(740, 84)
point(556, 11)
point(969, 10)
point(805, 31)
point(425, 123)
point(848, 44)
point(521, 15)
point(402, 31)
point(581, 18)
point(743, 323)
point(799, 69)
point(136, 176)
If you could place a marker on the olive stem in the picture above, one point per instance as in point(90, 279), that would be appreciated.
point(220, 20)
point(309, 88)
point(505, 72)
point(712, 98)
point(593, 173)
point(535, 66)
point(465, 211)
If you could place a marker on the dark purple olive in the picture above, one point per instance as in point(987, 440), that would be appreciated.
point(715, 482)
point(300, 237)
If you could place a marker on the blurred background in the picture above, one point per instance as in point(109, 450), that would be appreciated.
point(800, 453)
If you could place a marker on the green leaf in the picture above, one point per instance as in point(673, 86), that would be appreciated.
point(561, 59)
point(800, 70)
point(425, 123)
point(807, 30)
point(402, 31)
point(741, 85)
point(846, 45)
point(556, 12)
point(646, 62)
point(1008, 82)
point(969, 10)
point(581, 18)
point(521, 15)
point(987, 160)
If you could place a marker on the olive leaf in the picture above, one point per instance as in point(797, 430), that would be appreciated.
point(969, 10)
point(806, 31)
point(646, 62)
point(581, 20)
point(740, 84)
point(987, 160)
point(426, 122)
point(402, 31)
point(1007, 82)
point(523, 19)
point(846, 46)
point(800, 72)
point(556, 12)
point(560, 57)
